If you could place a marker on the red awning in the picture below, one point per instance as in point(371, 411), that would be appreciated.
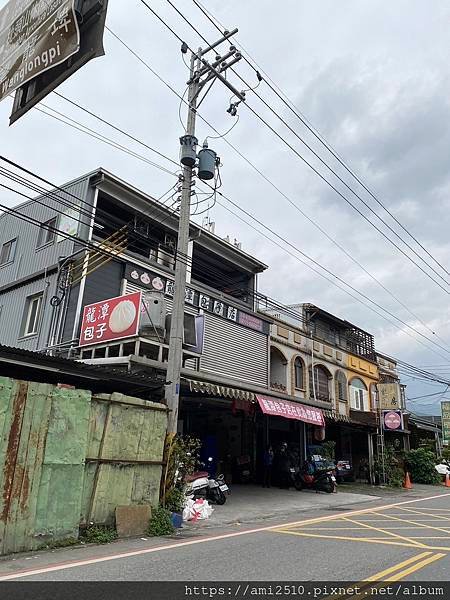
point(291, 410)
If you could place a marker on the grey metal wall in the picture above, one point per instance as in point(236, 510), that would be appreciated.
point(235, 351)
point(101, 284)
point(13, 304)
point(29, 259)
point(230, 350)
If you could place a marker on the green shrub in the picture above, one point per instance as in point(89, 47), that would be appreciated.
point(446, 453)
point(160, 522)
point(99, 535)
point(420, 463)
point(174, 501)
point(392, 468)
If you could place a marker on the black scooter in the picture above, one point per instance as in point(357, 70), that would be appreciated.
point(320, 479)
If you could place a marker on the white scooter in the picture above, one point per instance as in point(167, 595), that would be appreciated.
point(443, 468)
point(201, 485)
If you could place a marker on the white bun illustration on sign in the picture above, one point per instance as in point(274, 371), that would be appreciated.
point(122, 316)
point(158, 284)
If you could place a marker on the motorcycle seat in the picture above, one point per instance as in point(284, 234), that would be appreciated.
point(197, 475)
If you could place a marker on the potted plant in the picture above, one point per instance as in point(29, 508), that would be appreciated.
point(174, 502)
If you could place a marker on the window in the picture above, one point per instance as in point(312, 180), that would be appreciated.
point(320, 389)
point(33, 309)
point(359, 399)
point(341, 386)
point(358, 394)
point(298, 372)
point(47, 232)
point(7, 252)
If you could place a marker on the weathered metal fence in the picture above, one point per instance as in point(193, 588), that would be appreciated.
point(68, 458)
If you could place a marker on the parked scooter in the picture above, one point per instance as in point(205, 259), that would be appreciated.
point(316, 475)
point(443, 468)
point(201, 485)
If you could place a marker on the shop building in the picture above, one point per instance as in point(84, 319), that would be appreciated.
point(56, 298)
point(318, 359)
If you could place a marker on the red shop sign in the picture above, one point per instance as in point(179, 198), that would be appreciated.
point(392, 419)
point(111, 319)
point(291, 410)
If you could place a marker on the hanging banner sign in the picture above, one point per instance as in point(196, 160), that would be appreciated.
point(112, 319)
point(35, 35)
point(445, 412)
point(291, 410)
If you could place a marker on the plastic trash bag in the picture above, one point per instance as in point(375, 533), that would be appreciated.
point(196, 510)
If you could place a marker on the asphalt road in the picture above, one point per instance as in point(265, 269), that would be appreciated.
point(406, 542)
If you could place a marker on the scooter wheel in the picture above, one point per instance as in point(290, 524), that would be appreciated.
point(218, 497)
point(329, 488)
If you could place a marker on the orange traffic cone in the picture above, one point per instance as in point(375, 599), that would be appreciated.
point(407, 483)
point(447, 481)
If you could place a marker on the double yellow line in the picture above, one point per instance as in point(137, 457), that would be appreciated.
point(406, 567)
point(393, 574)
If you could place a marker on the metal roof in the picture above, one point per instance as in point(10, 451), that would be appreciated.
point(26, 364)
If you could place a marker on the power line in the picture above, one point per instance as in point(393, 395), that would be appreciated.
point(291, 106)
point(96, 116)
point(369, 300)
point(321, 176)
point(152, 70)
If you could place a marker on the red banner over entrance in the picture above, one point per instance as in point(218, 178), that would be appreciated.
point(291, 410)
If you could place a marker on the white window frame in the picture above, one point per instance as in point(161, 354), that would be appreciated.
point(359, 399)
point(28, 330)
point(11, 252)
point(47, 236)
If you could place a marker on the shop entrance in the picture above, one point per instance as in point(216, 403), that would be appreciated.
point(227, 433)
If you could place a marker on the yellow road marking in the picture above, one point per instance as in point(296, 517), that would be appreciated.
point(438, 509)
point(348, 538)
point(415, 522)
point(410, 510)
point(416, 567)
point(356, 539)
point(357, 528)
point(405, 517)
point(362, 511)
point(391, 533)
point(405, 563)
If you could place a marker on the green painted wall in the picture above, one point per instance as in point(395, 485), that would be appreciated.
point(47, 487)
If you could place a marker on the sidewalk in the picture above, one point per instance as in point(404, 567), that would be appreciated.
point(250, 503)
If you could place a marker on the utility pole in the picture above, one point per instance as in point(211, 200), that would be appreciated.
point(202, 72)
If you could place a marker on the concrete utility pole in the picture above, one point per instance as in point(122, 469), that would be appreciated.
point(201, 73)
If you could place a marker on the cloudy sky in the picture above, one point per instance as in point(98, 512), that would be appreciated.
point(372, 77)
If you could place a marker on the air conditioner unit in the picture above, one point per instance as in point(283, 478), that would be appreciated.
point(165, 258)
point(153, 317)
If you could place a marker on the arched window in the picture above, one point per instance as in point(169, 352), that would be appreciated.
point(358, 394)
point(278, 370)
point(320, 387)
point(341, 387)
point(299, 373)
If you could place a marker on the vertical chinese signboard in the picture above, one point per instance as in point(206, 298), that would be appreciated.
point(35, 35)
point(445, 412)
point(112, 319)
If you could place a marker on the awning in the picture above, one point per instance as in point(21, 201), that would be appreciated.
point(212, 389)
point(291, 410)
